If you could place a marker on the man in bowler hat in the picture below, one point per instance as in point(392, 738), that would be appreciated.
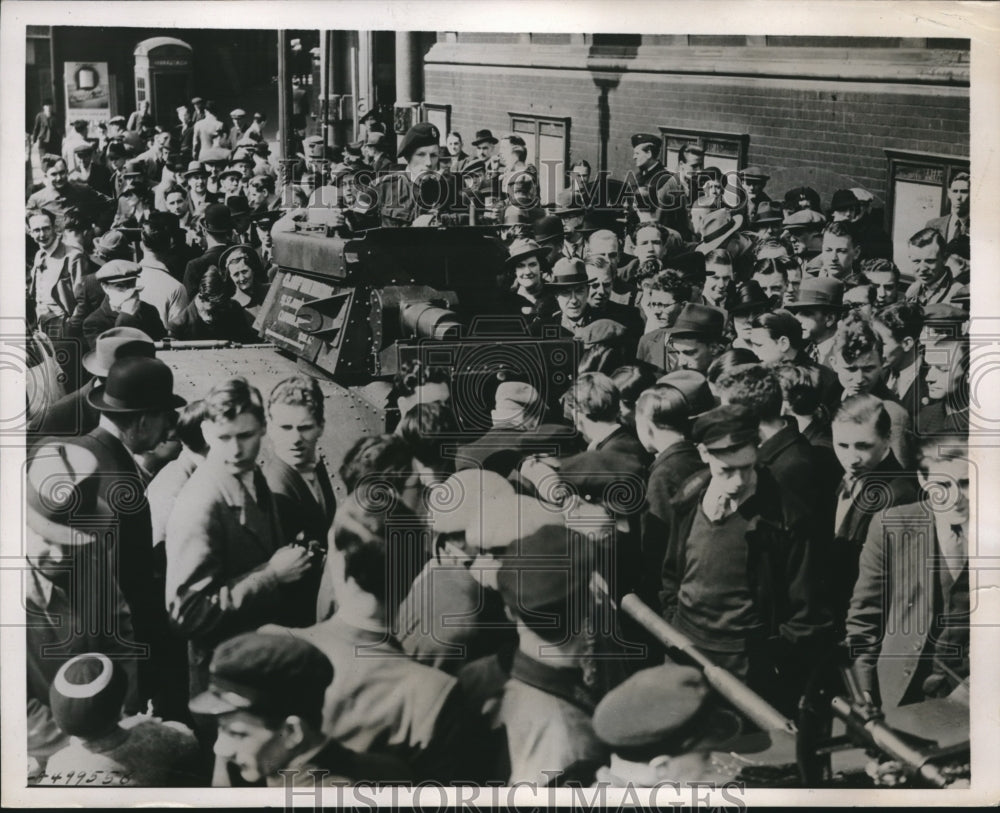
point(73, 414)
point(137, 408)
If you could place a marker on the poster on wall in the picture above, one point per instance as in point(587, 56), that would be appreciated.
point(88, 95)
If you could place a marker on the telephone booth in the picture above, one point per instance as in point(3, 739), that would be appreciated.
point(163, 67)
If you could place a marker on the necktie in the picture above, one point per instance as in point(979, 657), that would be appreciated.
point(724, 506)
point(247, 480)
point(813, 353)
point(40, 258)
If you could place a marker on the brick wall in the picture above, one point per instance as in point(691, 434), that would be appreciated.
point(825, 134)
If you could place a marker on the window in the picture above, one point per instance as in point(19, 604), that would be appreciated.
point(547, 142)
point(918, 185)
point(439, 115)
point(727, 151)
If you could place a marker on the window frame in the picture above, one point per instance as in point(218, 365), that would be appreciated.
point(700, 137)
point(951, 165)
point(564, 121)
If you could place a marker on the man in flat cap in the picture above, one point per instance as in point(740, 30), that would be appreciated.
point(819, 307)
point(122, 305)
point(662, 726)
point(238, 116)
point(737, 575)
point(266, 693)
point(94, 174)
point(398, 193)
point(804, 228)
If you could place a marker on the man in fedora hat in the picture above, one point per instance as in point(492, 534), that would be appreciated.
point(199, 198)
point(73, 414)
point(486, 150)
point(229, 182)
point(695, 338)
point(723, 229)
point(752, 181)
point(745, 301)
point(819, 306)
point(218, 231)
point(137, 407)
point(766, 220)
point(67, 568)
point(570, 287)
point(571, 212)
point(376, 152)
point(122, 305)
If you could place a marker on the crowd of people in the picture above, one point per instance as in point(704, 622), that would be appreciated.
point(765, 440)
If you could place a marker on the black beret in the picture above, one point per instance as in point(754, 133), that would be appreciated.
point(419, 135)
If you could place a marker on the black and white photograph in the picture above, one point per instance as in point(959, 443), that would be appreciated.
point(488, 404)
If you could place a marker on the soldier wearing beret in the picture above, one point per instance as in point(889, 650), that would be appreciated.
point(266, 693)
point(737, 575)
point(398, 193)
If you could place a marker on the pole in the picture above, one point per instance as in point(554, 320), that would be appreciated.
point(284, 99)
point(742, 697)
point(324, 84)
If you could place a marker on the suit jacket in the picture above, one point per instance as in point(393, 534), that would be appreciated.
point(885, 486)
point(934, 419)
point(382, 701)
point(70, 277)
point(145, 319)
point(906, 612)
point(670, 470)
point(122, 487)
point(790, 458)
point(183, 139)
point(72, 415)
point(197, 267)
point(299, 512)
point(942, 224)
point(218, 545)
